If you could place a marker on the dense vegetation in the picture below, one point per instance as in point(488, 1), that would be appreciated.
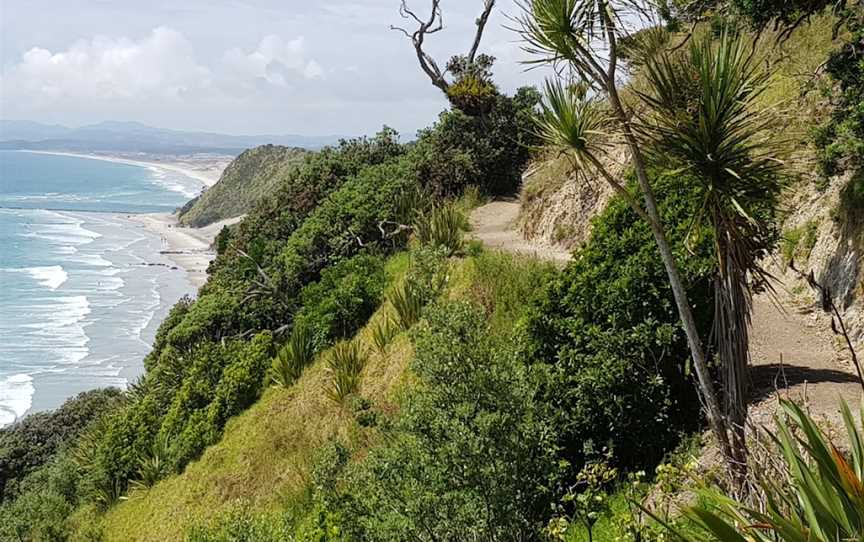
point(250, 177)
point(355, 370)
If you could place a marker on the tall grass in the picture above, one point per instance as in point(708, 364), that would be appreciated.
point(293, 357)
point(153, 466)
point(345, 365)
point(441, 226)
point(408, 300)
point(382, 333)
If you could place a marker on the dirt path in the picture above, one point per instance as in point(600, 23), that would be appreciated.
point(495, 225)
point(794, 355)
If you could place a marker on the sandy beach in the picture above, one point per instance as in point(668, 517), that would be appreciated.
point(206, 169)
point(189, 248)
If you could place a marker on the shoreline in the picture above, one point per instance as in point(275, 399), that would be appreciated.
point(208, 177)
point(188, 248)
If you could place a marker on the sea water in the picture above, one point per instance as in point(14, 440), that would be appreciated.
point(82, 287)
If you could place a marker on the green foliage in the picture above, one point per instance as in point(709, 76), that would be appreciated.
point(293, 357)
point(822, 499)
point(342, 300)
point(608, 333)
point(248, 178)
point(345, 364)
point(242, 525)
point(408, 300)
point(44, 502)
point(505, 284)
point(797, 243)
point(441, 226)
point(469, 456)
point(34, 441)
point(782, 13)
point(488, 151)
point(840, 141)
point(382, 333)
point(153, 466)
point(422, 283)
point(472, 90)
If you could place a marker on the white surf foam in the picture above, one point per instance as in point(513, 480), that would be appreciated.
point(52, 277)
point(189, 187)
point(16, 396)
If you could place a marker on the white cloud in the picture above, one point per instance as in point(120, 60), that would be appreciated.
point(275, 61)
point(162, 65)
point(159, 69)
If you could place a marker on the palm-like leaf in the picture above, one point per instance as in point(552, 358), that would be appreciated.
point(704, 114)
point(823, 500)
point(572, 123)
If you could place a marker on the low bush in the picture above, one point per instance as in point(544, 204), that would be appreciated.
point(293, 357)
point(470, 455)
point(341, 301)
point(608, 333)
point(33, 442)
point(345, 365)
point(487, 150)
point(817, 495)
point(441, 226)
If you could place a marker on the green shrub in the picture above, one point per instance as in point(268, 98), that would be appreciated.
point(469, 456)
point(345, 365)
point(798, 243)
point(34, 441)
point(408, 300)
point(608, 333)
point(441, 226)
point(821, 497)
point(342, 300)
point(382, 333)
point(488, 150)
point(293, 357)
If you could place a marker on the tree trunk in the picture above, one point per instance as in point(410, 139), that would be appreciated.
point(716, 420)
point(732, 304)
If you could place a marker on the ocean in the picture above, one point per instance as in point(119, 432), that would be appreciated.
point(82, 288)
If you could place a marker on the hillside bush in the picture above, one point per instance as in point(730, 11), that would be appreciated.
point(470, 455)
point(341, 301)
point(840, 141)
point(34, 441)
point(607, 332)
point(293, 356)
point(488, 151)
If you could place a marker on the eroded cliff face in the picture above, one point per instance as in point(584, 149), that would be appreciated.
point(823, 237)
point(558, 204)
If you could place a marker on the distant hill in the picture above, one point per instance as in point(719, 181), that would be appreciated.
point(116, 136)
point(253, 174)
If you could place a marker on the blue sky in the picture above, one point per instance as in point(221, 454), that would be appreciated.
point(234, 66)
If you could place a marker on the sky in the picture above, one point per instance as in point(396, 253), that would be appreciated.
point(236, 66)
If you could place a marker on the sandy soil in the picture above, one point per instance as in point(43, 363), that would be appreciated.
point(205, 169)
point(494, 224)
point(795, 355)
point(189, 248)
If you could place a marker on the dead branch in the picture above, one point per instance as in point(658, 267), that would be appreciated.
point(432, 24)
point(838, 326)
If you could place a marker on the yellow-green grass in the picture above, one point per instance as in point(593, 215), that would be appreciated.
point(264, 460)
point(265, 456)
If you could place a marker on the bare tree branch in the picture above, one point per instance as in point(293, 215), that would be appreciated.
point(432, 24)
point(481, 26)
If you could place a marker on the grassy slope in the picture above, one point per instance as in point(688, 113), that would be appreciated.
point(252, 175)
point(265, 456)
point(264, 459)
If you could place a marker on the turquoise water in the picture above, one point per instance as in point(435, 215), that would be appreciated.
point(82, 288)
